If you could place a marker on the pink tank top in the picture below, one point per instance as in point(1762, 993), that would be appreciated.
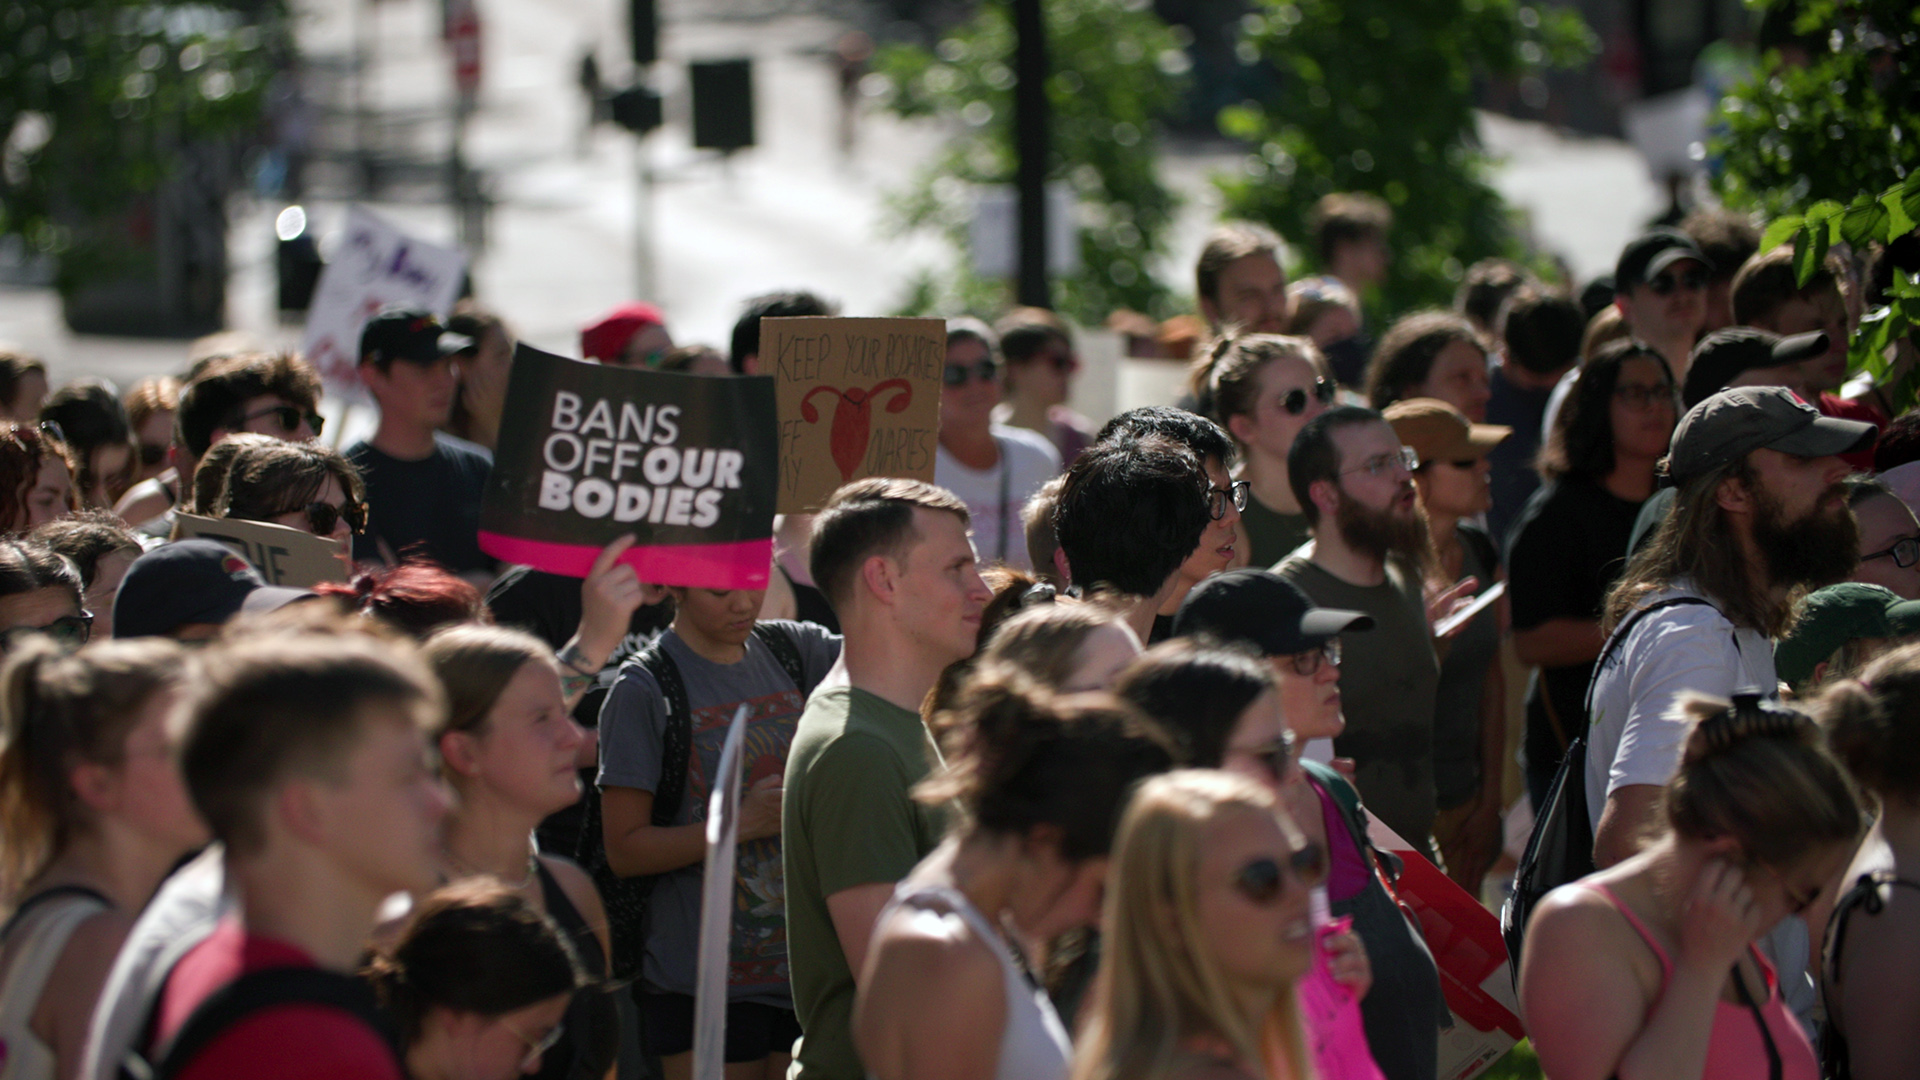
point(1737, 1051)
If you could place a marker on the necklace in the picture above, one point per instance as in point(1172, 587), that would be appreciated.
point(533, 867)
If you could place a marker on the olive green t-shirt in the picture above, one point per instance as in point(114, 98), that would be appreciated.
point(847, 818)
point(1270, 534)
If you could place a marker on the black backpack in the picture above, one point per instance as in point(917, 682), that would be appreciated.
point(251, 993)
point(1561, 847)
point(626, 898)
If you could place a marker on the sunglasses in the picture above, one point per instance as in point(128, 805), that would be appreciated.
point(288, 417)
point(536, 1049)
point(1308, 663)
point(152, 454)
point(67, 631)
point(1263, 881)
point(1324, 391)
point(1666, 283)
point(1217, 498)
point(1905, 552)
point(324, 516)
point(984, 370)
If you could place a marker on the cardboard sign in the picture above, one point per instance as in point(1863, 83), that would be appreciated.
point(858, 398)
point(716, 907)
point(589, 453)
point(1465, 940)
point(373, 266)
point(284, 556)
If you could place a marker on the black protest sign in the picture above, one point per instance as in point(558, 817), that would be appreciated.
point(589, 453)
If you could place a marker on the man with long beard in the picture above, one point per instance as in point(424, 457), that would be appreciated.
point(1760, 518)
point(1354, 482)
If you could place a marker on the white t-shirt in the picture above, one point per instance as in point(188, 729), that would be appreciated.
point(1027, 461)
point(1685, 647)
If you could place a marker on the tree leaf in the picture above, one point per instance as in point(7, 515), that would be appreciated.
point(1781, 231)
point(1864, 222)
point(1809, 252)
point(1899, 223)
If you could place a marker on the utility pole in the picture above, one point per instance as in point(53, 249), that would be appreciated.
point(1030, 145)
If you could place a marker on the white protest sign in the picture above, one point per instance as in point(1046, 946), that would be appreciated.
point(373, 266)
point(716, 908)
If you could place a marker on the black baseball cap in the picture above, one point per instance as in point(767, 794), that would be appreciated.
point(1262, 609)
point(408, 334)
point(191, 581)
point(1724, 355)
point(1733, 423)
point(1653, 251)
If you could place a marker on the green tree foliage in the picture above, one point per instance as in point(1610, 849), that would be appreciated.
point(1377, 96)
point(1832, 114)
point(1116, 70)
point(97, 97)
point(1869, 219)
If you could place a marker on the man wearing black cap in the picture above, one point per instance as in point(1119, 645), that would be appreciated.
point(187, 590)
point(1760, 513)
point(423, 486)
point(1744, 356)
point(1660, 287)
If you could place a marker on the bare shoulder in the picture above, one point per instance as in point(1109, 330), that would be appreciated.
point(941, 957)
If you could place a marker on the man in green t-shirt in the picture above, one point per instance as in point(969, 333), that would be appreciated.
point(895, 559)
point(1355, 481)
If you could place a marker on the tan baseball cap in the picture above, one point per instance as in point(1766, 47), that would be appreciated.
point(1439, 432)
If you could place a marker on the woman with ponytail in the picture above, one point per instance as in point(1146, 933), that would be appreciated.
point(1207, 931)
point(1037, 783)
point(1873, 941)
point(1648, 968)
point(477, 985)
point(92, 815)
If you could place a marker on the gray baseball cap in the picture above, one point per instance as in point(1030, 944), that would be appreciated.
point(1733, 423)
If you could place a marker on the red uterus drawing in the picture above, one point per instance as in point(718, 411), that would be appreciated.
point(853, 419)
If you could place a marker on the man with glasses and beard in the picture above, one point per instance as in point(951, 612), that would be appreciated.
point(1370, 544)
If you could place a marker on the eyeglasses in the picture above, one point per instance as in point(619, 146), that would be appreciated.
point(324, 516)
point(1263, 881)
point(152, 454)
point(52, 428)
point(1063, 362)
point(1665, 284)
point(536, 1049)
point(1272, 756)
point(1217, 498)
point(1463, 465)
point(1324, 391)
point(67, 631)
point(1905, 552)
point(984, 370)
point(288, 417)
point(1384, 464)
point(1308, 663)
point(1642, 395)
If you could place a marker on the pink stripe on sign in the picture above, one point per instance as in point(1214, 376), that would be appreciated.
point(741, 565)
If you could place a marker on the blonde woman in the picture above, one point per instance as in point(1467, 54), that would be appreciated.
point(1207, 930)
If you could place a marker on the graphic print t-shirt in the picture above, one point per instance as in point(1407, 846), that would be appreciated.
point(632, 723)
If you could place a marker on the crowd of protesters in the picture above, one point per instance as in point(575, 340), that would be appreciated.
point(1081, 760)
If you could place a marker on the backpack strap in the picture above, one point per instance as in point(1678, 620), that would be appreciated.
point(676, 740)
point(1619, 638)
point(777, 636)
point(260, 990)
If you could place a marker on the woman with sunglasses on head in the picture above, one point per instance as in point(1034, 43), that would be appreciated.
point(1648, 968)
point(510, 751)
point(1038, 782)
point(1208, 927)
point(994, 468)
point(36, 477)
point(478, 984)
point(1259, 610)
point(1570, 541)
point(93, 814)
point(1265, 388)
point(1454, 481)
point(94, 426)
